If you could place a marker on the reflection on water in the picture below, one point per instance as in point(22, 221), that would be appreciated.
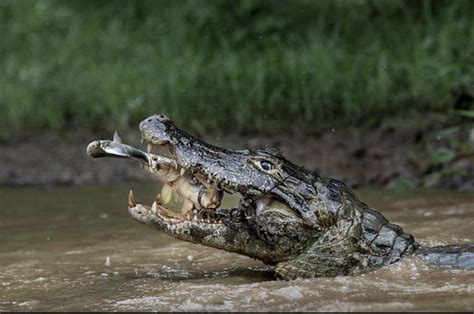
point(77, 249)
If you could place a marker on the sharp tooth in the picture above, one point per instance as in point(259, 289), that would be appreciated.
point(187, 206)
point(149, 147)
point(117, 138)
point(158, 199)
point(182, 171)
point(131, 199)
point(261, 203)
point(166, 193)
point(154, 207)
point(188, 216)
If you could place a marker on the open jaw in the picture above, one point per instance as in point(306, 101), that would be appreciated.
point(193, 196)
point(188, 194)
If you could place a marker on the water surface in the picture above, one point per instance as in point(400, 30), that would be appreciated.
point(77, 249)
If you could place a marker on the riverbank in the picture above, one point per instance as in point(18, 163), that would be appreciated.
point(428, 151)
point(250, 64)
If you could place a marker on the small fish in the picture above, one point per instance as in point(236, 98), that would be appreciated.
point(115, 148)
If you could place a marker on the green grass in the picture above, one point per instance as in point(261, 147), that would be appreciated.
point(255, 65)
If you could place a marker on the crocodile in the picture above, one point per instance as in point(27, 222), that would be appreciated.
point(298, 222)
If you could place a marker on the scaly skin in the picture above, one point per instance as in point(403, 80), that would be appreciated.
point(295, 221)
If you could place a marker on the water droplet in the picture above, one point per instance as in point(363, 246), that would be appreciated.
point(103, 216)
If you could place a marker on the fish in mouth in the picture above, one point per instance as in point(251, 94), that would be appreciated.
point(197, 185)
point(297, 222)
point(196, 194)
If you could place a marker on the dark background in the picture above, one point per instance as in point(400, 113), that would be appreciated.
point(363, 83)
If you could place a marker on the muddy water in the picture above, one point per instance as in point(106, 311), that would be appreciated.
point(77, 249)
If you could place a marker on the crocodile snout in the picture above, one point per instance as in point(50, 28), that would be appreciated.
point(153, 121)
point(155, 128)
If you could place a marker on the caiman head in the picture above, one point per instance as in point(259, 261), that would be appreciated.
point(274, 210)
point(288, 217)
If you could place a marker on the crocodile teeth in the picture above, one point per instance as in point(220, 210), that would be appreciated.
point(131, 199)
point(158, 199)
point(166, 193)
point(187, 206)
point(117, 138)
point(149, 147)
point(182, 171)
point(154, 207)
point(261, 203)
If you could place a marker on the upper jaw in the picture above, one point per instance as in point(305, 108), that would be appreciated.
point(189, 153)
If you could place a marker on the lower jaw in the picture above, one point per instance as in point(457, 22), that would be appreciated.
point(160, 212)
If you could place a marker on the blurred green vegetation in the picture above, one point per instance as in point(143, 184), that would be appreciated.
point(252, 65)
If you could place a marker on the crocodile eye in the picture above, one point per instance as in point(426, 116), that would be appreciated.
point(266, 165)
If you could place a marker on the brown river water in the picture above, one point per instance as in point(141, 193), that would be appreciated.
point(76, 248)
